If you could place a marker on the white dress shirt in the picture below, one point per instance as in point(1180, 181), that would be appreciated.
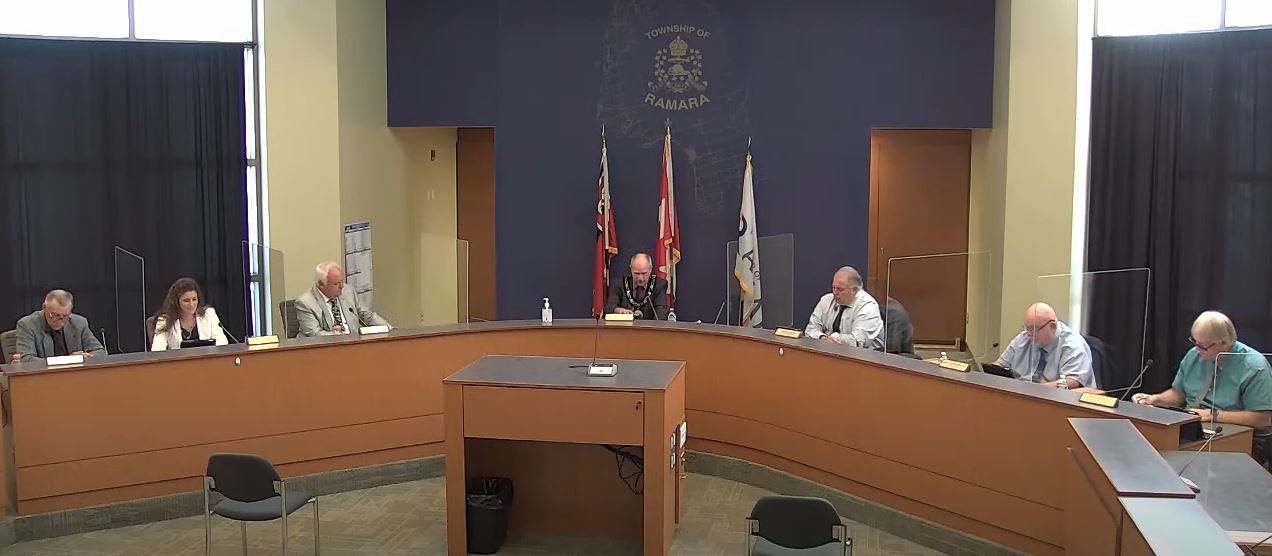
point(1068, 356)
point(859, 326)
point(326, 307)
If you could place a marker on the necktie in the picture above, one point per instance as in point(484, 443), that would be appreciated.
point(335, 313)
point(839, 317)
point(1039, 375)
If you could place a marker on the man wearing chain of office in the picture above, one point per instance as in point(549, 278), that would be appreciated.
point(639, 293)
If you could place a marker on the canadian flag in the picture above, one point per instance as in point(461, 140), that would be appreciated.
point(668, 252)
point(606, 237)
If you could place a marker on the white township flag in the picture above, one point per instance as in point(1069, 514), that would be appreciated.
point(747, 267)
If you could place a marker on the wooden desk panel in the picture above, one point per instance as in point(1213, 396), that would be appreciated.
point(542, 423)
point(970, 451)
point(554, 415)
point(562, 489)
point(1092, 513)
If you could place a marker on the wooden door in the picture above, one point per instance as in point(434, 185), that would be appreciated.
point(475, 221)
point(919, 187)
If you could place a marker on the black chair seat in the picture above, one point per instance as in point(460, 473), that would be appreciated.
point(263, 510)
point(764, 547)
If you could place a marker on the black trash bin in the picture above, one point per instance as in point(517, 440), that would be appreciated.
point(489, 499)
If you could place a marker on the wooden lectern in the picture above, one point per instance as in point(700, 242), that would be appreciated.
point(546, 425)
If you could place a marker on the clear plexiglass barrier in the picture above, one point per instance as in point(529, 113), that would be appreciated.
point(266, 292)
point(945, 299)
point(1109, 309)
point(777, 283)
point(1231, 378)
point(131, 313)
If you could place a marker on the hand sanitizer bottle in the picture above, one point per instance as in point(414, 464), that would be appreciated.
point(547, 311)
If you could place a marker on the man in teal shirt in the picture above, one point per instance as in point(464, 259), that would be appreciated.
point(1239, 392)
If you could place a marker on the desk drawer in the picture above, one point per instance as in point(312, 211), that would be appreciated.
point(580, 416)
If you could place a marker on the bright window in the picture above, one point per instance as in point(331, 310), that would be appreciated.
point(1249, 13)
point(1155, 17)
point(65, 18)
point(194, 20)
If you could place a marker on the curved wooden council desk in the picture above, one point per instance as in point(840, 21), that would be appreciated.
point(975, 452)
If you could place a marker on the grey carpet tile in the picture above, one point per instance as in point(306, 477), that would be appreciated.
point(410, 519)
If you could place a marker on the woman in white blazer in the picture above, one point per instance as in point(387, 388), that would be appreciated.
point(183, 316)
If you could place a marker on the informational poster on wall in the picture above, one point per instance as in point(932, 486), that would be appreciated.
point(357, 260)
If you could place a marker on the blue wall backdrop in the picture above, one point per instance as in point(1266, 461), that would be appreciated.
point(806, 80)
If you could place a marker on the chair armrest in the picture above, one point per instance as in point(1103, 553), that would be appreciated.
point(752, 529)
point(840, 533)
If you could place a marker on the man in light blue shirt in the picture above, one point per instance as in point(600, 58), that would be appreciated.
point(1220, 379)
point(1049, 352)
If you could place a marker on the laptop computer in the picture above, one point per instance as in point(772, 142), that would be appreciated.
point(201, 342)
point(997, 370)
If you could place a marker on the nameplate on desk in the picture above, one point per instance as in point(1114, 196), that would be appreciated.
point(262, 340)
point(787, 332)
point(1098, 399)
point(64, 360)
point(619, 317)
point(954, 365)
point(602, 369)
point(377, 329)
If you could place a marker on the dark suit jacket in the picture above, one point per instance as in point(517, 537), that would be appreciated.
point(618, 297)
point(35, 341)
point(900, 331)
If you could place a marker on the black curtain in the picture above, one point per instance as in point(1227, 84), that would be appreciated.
point(136, 145)
point(1181, 183)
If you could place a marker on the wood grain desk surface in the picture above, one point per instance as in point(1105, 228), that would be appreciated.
point(968, 455)
point(566, 372)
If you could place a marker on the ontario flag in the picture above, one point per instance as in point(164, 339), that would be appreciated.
point(606, 237)
point(668, 252)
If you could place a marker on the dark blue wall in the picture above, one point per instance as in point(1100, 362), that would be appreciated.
point(806, 80)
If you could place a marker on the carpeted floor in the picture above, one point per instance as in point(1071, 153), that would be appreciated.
point(409, 519)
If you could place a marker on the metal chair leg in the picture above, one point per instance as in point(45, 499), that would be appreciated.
point(317, 537)
point(243, 535)
point(207, 520)
point(284, 520)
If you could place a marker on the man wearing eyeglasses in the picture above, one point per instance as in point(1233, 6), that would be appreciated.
point(54, 330)
point(847, 315)
point(1047, 351)
point(1237, 390)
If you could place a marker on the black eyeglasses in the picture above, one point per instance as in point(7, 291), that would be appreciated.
point(1035, 329)
point(1200, 346)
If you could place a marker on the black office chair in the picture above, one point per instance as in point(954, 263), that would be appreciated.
point(287, 308)
point(150, 332)
point(253, 491)
point(1108, 374)
point(796, 526)
point(1262, 448)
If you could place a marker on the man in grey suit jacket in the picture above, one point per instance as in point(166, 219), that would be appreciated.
point(327, 310)
point(55, 330)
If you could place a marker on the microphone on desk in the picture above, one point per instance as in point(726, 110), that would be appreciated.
point(1139, 381)
point(104, 341)
point(594, 368)
point(1196, 455)
point(720, 311)
point(1249, 550)
point(227, 332)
